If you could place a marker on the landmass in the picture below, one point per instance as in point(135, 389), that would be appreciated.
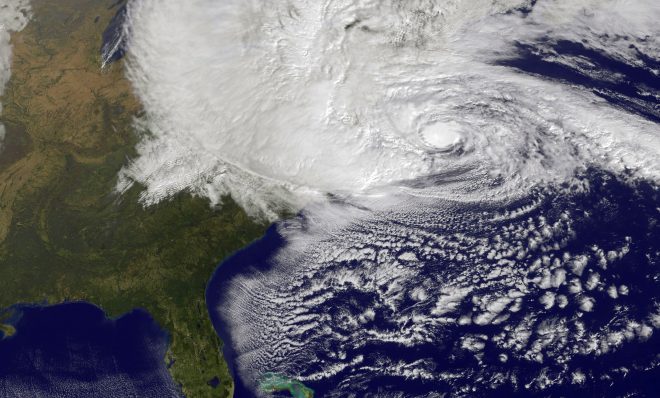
point(6, 330)
point(274, 382)
point(64, 234)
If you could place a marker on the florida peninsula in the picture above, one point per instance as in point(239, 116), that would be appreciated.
point(65, 235)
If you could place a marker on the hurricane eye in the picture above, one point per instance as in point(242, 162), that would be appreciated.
point(441, 136)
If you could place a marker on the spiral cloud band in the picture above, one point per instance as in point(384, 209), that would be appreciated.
point(278, 103)
point(478, 183)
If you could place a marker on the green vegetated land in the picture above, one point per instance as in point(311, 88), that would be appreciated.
point(64, 234)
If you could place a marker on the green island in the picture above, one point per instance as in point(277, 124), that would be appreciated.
point(274, 382)
point(64, 234)
point(6, 331)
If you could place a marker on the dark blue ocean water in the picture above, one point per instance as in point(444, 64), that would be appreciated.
point(611, 212)
point(253, 258)
point(631, 85)
point(73, 350)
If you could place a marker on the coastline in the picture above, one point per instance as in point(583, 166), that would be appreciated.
point(254, 257)
point(129, 348)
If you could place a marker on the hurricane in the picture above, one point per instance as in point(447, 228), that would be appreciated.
point(475, 186)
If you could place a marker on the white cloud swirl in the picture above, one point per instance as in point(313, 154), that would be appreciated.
point(277, 103)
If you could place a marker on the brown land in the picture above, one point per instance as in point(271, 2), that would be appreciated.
point(64, 234)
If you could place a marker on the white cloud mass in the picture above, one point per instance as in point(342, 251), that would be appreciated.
point(14, 15)
point(405, 108)
point(280, 102)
